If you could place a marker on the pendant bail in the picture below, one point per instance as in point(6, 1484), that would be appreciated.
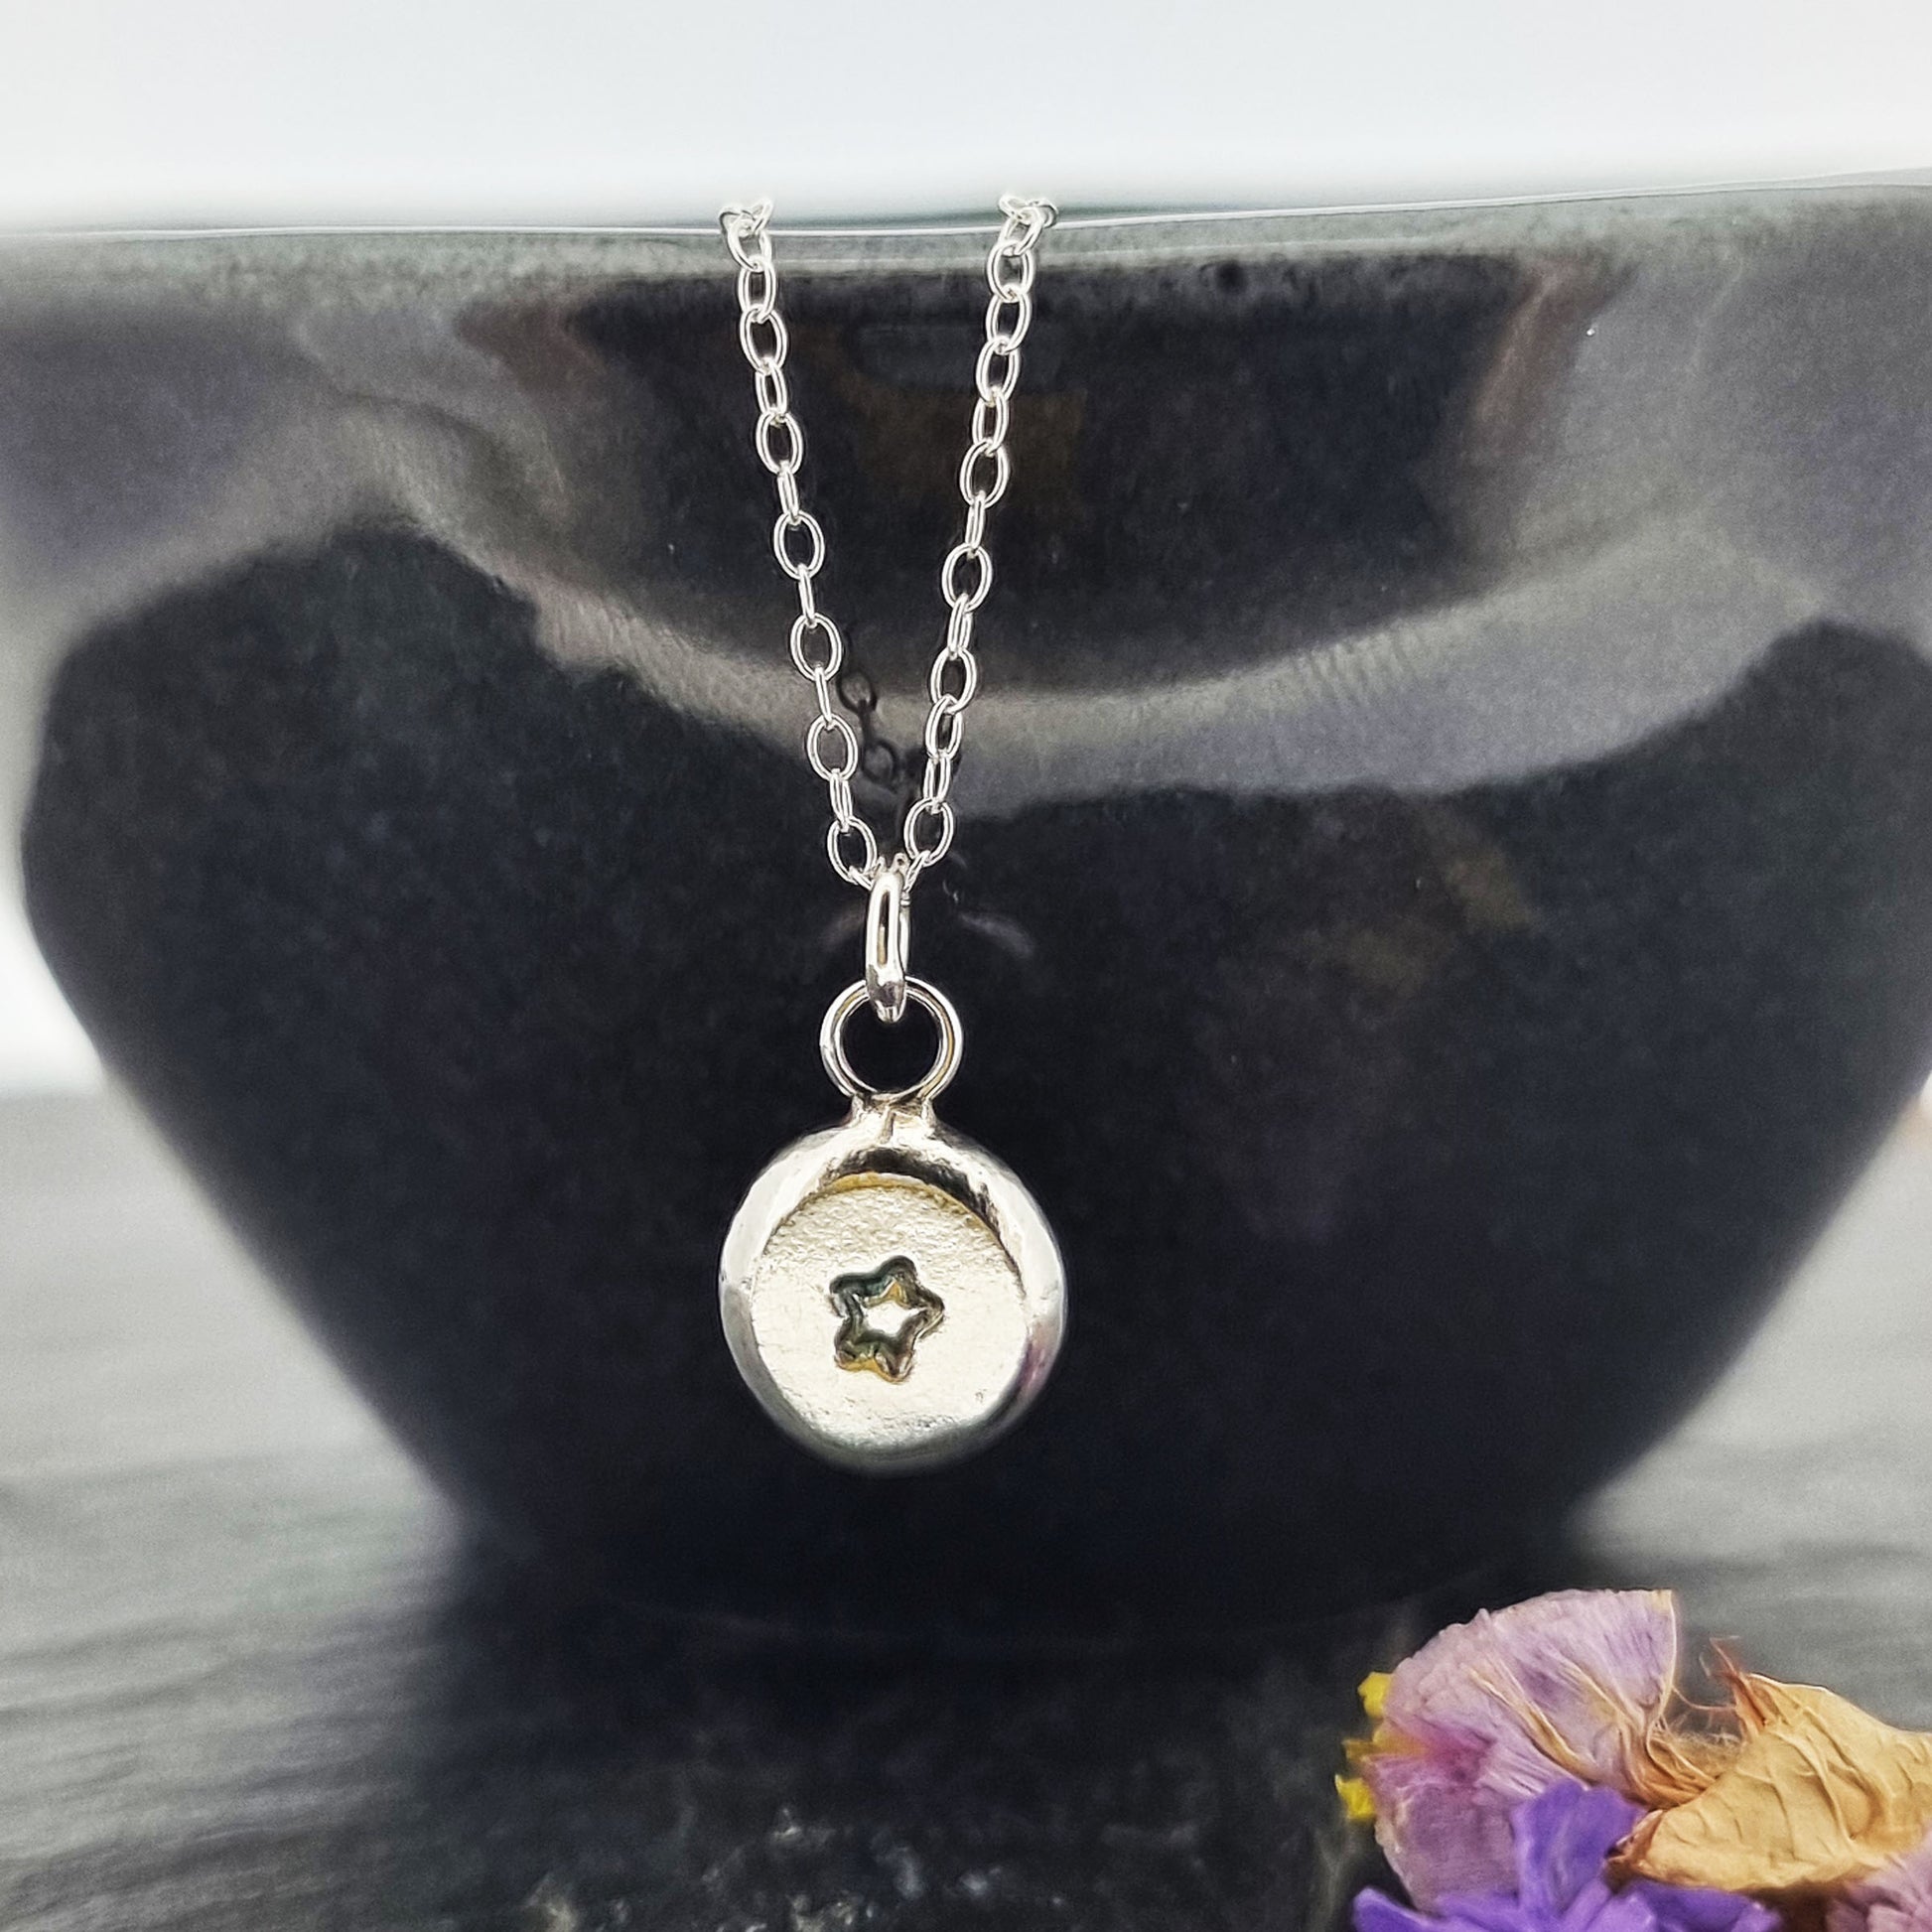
point(888, 937)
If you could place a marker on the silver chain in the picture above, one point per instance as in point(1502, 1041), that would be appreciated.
point(798, 542)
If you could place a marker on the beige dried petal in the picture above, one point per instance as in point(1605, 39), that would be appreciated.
point(1820, 1794)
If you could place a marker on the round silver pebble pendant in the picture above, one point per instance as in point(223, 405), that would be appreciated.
point(891, 1293)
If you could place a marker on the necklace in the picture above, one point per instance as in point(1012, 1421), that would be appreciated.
point(891, 1293)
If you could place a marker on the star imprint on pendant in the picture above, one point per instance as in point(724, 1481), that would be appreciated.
point(885, 1348)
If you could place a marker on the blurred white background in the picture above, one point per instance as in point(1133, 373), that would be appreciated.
point(491, 110)
point(196, 111)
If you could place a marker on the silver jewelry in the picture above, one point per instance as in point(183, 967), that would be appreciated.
point(891, 1292)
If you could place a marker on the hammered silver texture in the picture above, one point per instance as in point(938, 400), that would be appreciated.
point(967, 1316)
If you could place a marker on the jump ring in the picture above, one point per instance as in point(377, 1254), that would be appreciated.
point(922, 1092)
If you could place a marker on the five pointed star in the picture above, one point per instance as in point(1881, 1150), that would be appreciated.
point(884, 1351)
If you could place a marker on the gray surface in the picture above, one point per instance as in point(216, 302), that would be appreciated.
point(227, 1614)
point(1794, 1509)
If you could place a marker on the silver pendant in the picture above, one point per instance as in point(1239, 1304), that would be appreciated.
point(891, 1292)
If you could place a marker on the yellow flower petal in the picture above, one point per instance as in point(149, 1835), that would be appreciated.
point(1376, 1693)
point(1820, 1794)
point(1357, 1799)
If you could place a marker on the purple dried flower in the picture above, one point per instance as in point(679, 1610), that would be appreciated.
point(1897, 1899)
point(1575, 1684)
point(1560, 1842)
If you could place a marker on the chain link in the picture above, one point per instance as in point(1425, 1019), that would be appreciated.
point(965, 578)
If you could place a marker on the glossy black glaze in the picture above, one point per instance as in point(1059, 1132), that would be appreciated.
point(1444, 903)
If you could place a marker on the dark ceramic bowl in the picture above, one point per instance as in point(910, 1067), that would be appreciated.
point(1443, 903)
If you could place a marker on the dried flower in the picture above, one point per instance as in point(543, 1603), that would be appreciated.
point(1559, 1843)
point(1578, 1685)
point(1897, 1899)
point(1820, 1795)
